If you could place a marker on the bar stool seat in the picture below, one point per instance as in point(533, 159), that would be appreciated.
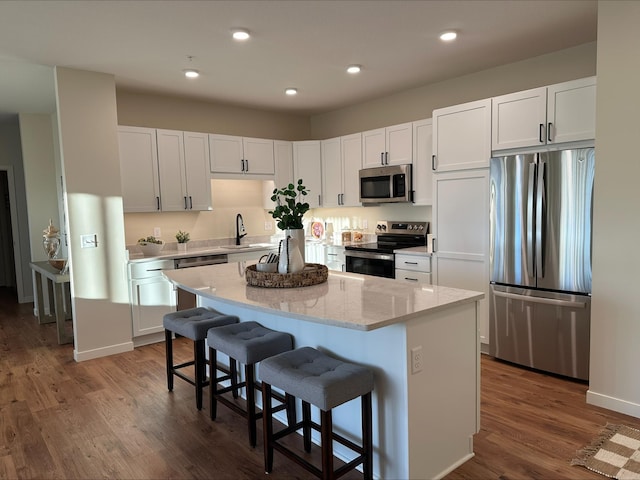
point(193, 323)
point(247, 343)
point(326, 382)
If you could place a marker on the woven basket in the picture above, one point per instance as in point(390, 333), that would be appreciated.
point(313, 274)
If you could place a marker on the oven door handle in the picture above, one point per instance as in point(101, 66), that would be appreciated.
point(369, 255)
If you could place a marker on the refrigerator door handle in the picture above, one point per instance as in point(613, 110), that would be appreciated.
point(540, 217)
point(546, 301)
point(530, 222)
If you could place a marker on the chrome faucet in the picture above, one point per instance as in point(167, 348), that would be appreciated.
point(240, 232)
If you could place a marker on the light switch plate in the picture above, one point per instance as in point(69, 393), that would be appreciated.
point(89, 241)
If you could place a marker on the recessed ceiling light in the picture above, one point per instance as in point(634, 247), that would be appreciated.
point(448, 36)
point(291, 91)
point(240, 34)
point(353, 69)
point(191, 73)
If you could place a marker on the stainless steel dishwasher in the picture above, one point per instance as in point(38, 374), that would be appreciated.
point(185, 299)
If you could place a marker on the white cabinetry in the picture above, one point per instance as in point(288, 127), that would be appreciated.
point(139, 169)
point(560, 113)
point(387, 146)
point(307, 166)
point(461, 231)
point(151, 296)
point(241, 155)
point(462, 136)
point(422, 151)
point(341, 161)
point(183, 166)
point(413, 268)
point(283, 152)
point(334, 257)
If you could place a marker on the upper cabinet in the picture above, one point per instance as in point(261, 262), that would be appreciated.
point(241, 155)
point(341, 163)
point(307, 166)
point(387, 146)
point(283, 152)
point(560, 113)
point(139, 169)
point(422, 151)
point(183, 159)
point(462, 136)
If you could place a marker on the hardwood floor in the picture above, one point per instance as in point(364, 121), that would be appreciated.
point(113, 418)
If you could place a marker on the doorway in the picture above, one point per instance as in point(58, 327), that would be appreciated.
point(10, 272)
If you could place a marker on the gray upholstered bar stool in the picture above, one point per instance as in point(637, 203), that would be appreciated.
point(247, 343)
point(193, 323)
point(326, 382)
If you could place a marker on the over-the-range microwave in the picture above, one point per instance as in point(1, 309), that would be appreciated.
point(387, 184)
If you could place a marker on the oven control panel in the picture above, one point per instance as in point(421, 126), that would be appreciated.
point(412, 228)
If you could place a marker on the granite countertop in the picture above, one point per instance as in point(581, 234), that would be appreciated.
point(347, 300)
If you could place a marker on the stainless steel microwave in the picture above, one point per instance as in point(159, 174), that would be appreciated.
point(388, 184)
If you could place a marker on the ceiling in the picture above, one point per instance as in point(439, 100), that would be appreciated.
point(303, 44)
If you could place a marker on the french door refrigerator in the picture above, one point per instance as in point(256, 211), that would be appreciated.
point(540, 254)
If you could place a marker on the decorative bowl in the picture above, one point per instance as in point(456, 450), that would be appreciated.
point(150, 249)
point(58, 263)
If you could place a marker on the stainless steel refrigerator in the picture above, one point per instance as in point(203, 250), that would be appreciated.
point(540, 293)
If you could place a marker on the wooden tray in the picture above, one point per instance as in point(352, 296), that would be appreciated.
point(313, 274)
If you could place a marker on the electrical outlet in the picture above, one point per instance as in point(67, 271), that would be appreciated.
point(157, 232)
point(416, 359)
point(268, 226)
point(89, 241)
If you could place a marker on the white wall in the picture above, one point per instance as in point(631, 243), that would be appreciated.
point(615, 319)
point(87, 124)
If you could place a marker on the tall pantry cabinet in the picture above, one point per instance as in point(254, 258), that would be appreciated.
point(460, 215)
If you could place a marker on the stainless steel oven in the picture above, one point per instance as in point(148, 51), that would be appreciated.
point(378, 258)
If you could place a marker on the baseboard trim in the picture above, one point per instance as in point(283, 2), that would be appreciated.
point(102, 352)
point(612, 403)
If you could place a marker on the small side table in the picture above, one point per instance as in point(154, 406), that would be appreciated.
point(59, 295)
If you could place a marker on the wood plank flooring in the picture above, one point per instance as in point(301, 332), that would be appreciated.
point(113, 418)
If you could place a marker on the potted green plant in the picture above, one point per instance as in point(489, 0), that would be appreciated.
point(289, 210)
point(182, 238)
point(150, 246)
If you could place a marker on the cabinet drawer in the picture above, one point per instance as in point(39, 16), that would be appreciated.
point(412, 276)
point(416, 263)
point(148, 269)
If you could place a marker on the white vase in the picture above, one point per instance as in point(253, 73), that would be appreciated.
point(182, 247)
point(290, 258)
point(297, 234)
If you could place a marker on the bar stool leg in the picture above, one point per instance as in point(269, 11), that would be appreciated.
point(213, 383)
point(367, 437)
point(249, 372)
point(267, 427)
point(326, 429)
point(168, 342)
point(306, 425)
point(200, 370)
point(291, 409)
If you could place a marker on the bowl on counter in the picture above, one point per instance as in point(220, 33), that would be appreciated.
point(267, 267)
point(58, 263)
point(149, 249)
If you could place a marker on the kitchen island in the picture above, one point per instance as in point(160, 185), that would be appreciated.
point(420, 340)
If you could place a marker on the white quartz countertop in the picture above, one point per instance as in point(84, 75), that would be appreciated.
point(168, 254)
point(348, 300)
point(418, 251)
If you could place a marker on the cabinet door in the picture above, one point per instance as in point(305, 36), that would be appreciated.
point(462, 136)
point(351, 151)
point(198, 178)
point(571, 111)
point(373, 148)
point(331, 172)
point(139, 169)
point(258, 156)
point(422, 151)
point(283, 152)
point(307, 166)
point(461, 230)
point(399, 144)
point(151, 299)
point(519, 119)
point(173, 183)
point(226, 154)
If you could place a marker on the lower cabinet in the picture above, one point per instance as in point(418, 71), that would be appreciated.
point(151, 296)
point(334, 258)
point(413, 268)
